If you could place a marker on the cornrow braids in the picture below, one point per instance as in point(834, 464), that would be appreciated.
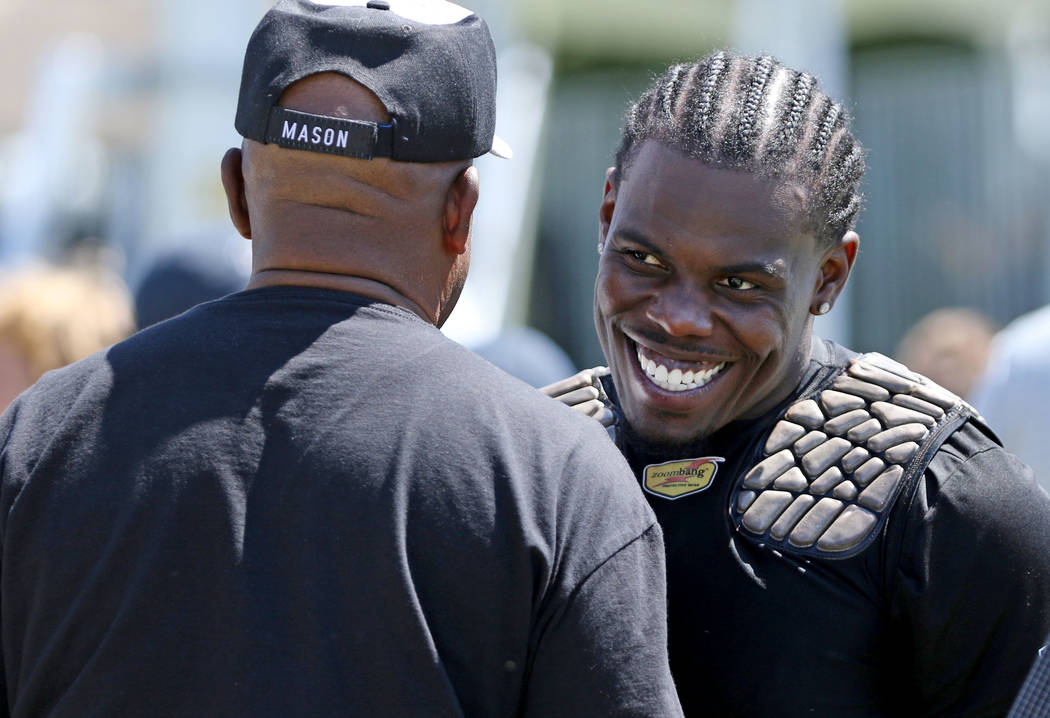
point(752, 104)
point(791, 128)
point(672, 90)
point(820, 146)
point(714, 69)
point(752, 113)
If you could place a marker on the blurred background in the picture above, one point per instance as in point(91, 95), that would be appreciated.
point(117, 113)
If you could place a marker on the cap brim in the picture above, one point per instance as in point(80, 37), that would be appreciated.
point(500, 148)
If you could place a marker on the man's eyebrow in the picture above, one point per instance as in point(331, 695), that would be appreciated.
point(637, 237)
point(773, 270)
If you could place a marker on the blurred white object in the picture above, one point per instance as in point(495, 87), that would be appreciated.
point(504, 231)
point(529, 355)
point(55, 162)
point(1014, 393)
point(1028, 50)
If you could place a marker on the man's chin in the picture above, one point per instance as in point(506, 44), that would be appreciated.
point(660, 440)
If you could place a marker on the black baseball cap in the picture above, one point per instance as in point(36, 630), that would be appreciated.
point(431, 63)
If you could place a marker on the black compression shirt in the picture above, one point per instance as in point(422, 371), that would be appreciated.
point(940, 616)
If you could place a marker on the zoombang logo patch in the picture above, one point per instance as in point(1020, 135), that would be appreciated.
point(675, 479)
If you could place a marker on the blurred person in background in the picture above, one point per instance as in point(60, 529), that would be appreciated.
point(180, 280)
point(844, 536)
point(950, 346)
point(54, 316)
point(1014, 391)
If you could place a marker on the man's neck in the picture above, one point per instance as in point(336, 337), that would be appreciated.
point(364, 286)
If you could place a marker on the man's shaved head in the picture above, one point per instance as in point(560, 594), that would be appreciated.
point(326, 214)
point(338, 182)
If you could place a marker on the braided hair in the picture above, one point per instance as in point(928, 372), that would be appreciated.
point(754, 114)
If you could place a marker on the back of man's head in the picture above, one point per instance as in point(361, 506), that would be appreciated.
point(361, 122)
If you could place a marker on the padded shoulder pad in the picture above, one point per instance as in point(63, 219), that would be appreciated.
point(835, 462)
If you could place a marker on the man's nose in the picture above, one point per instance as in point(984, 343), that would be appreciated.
point(683, 310)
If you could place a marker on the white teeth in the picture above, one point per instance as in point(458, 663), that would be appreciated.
point(675, 379)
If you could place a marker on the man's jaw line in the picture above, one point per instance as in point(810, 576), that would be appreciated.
point(709, 365)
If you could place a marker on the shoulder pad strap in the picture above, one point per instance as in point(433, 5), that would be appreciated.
point(835, 462)
point(599, 376)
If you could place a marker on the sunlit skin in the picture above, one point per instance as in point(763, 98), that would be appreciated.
point(398, 232)
point(703, 266)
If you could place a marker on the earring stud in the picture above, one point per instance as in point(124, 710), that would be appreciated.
point(824, 308)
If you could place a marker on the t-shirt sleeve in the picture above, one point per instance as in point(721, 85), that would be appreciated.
point(604, 652)
point(972, 591)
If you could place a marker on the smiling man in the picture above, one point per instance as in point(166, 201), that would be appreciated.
point(689, 246)
point(844, 537)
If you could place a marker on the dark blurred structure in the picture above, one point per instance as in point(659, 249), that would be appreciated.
point(1014, 392)
point(956, 211)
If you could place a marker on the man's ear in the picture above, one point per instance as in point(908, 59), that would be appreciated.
point(233, 183)
point(834, 271)
point(605, 212)
point(460, 202)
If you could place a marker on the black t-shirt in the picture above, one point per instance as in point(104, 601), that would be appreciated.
point(940, 616)
point(300, 502)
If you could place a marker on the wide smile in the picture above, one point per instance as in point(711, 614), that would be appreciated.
point(675, 375)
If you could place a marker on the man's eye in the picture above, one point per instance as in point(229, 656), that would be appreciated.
point(738, 284)
point(643, 257)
